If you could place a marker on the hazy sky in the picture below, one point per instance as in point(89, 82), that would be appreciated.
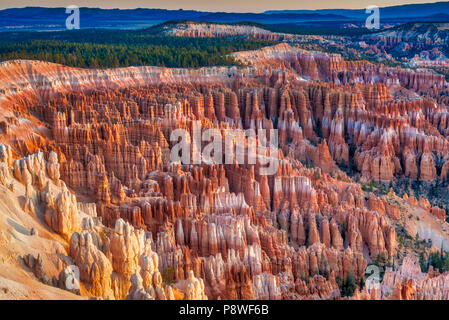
point(211, 5)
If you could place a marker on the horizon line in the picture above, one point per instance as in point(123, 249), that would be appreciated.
point(222, 11)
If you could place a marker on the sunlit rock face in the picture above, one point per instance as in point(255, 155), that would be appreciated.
point(139, 226)
point(194, 29)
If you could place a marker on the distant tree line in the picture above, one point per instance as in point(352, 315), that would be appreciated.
point(116, 48)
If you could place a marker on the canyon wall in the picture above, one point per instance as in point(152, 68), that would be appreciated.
point(139, 226)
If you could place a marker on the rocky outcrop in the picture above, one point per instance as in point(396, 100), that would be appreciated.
point(194, 29)
point(409, 283)
point(95, 268)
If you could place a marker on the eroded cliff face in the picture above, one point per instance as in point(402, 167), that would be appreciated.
point(408, 283)
point(371, 110)
point(141, 227)
point(422, 43)
point(195, 29)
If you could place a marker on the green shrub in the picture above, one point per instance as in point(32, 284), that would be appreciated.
point(168, 275)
